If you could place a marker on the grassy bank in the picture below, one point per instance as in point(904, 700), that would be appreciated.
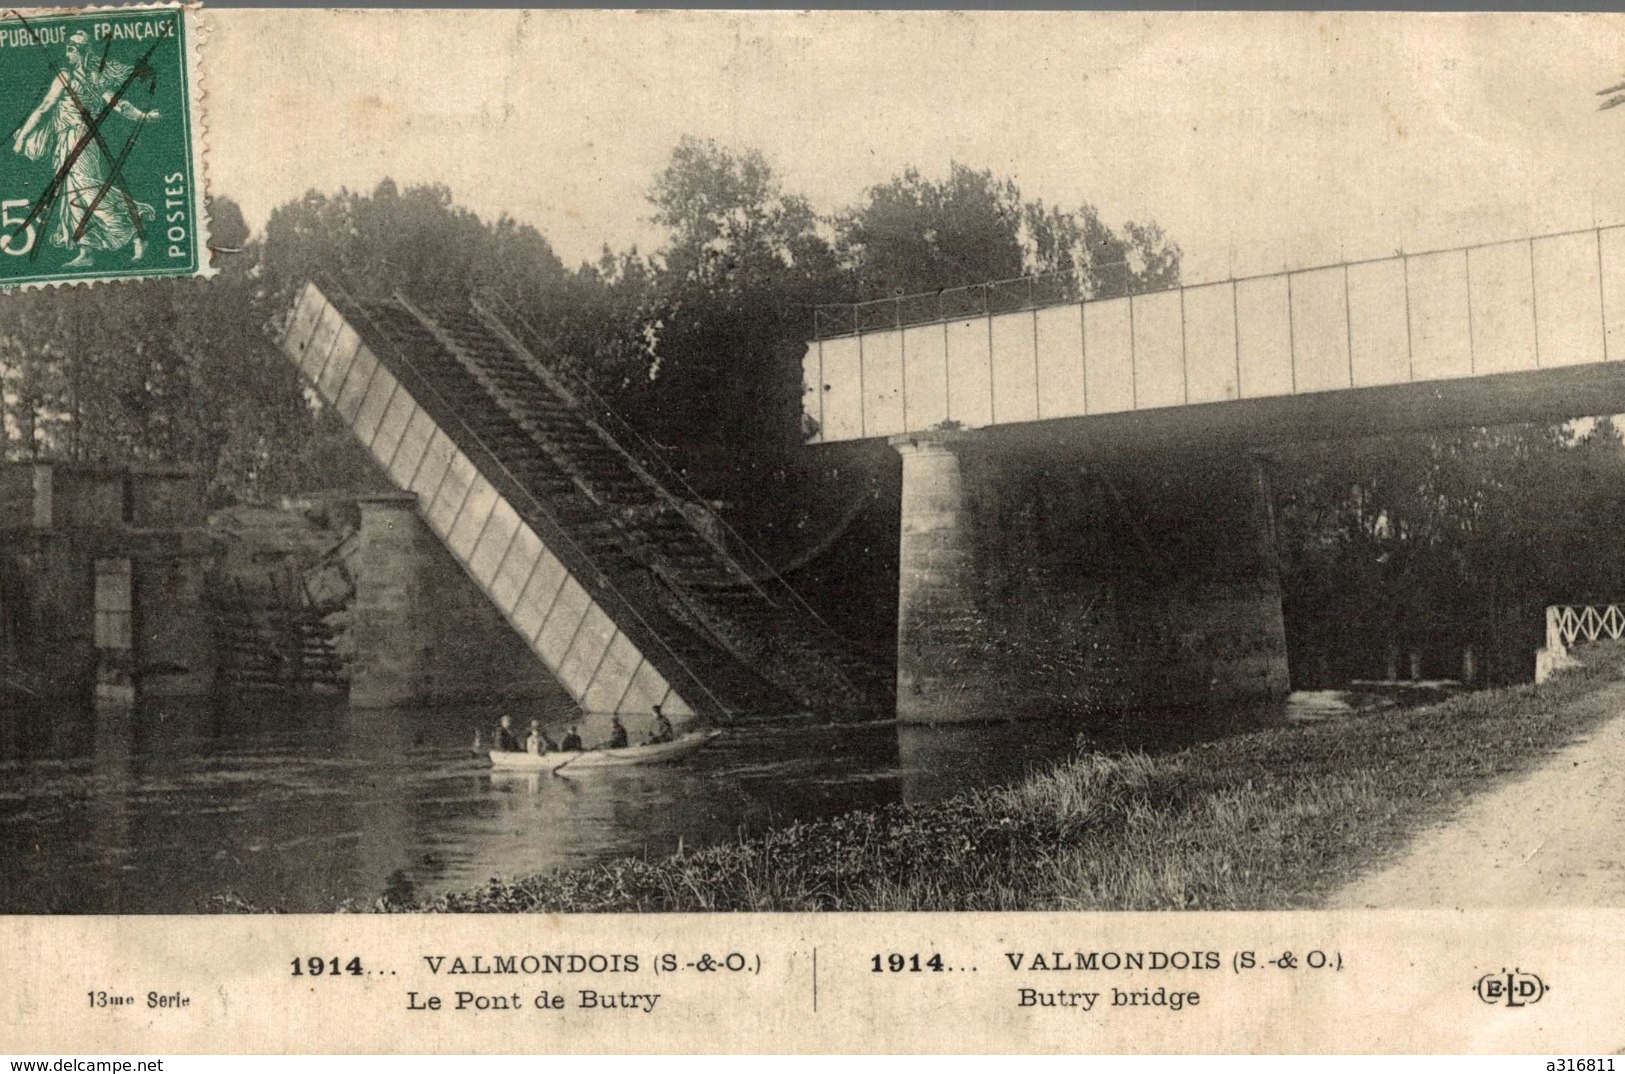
point(1272, 819)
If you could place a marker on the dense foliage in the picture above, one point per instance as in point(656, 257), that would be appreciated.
point(168, 371)
point(1437, 544)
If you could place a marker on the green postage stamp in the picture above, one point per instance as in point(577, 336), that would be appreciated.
point(101, 166)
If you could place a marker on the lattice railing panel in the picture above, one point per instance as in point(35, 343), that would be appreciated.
point(1567, 624)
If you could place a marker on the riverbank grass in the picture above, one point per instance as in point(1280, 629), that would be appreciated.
point(1269, 820)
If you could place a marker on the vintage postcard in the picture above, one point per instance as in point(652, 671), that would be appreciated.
point(811, 531)
point(103, 173)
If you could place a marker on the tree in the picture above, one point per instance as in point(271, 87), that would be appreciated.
point(915, 235)
point(417, 242)
point(729, 315)
point(733, 225)
point(605, 334)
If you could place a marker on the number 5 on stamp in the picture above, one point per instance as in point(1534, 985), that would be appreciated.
point(101, 174)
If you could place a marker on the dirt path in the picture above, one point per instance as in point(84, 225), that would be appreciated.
point(1553, 838)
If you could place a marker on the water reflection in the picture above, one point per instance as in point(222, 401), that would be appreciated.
point(301, 806)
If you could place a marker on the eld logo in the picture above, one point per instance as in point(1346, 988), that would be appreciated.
point(1515, 989)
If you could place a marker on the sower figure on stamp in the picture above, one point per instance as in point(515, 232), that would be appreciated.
point(87, 211)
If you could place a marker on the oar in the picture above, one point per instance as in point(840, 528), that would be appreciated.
point(579, 754)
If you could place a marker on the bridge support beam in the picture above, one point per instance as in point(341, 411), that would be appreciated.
point(938, 677)
point(1037, 585)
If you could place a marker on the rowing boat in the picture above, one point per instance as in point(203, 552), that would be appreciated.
point(658, 753)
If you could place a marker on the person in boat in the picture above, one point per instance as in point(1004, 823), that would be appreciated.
point(662, 730)
point(572, 741)
point(617, 735)
point(537, 741)
point(505, 740)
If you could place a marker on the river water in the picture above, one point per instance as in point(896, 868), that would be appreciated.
point(170, 806)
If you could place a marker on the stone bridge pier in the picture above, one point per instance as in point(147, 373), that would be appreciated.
point(424, 634)
point(1042, 581)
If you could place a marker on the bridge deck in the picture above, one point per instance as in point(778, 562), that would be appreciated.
point(1520, 307)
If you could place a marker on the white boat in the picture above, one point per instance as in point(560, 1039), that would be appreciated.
point(658, 753)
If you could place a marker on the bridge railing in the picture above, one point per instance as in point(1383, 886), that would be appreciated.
point(1570, 624)
point(1089, 283)
point(1567, 624)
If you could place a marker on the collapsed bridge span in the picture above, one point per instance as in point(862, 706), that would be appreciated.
point(628, 593)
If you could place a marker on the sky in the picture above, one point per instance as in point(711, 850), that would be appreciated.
point(1259, 141)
